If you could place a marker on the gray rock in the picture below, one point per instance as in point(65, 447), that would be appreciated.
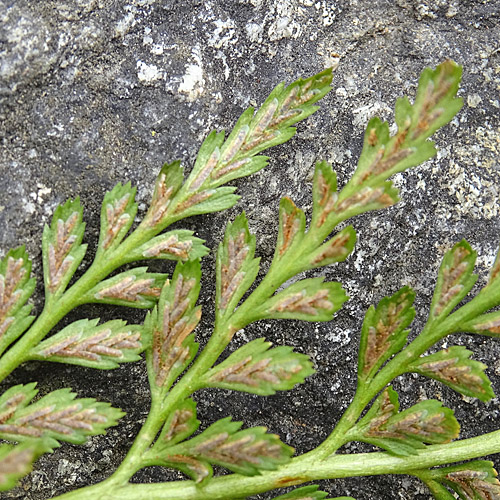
point(95, 92)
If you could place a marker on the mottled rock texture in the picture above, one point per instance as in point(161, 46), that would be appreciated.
point(93, 92)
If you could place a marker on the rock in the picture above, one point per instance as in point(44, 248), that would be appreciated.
point(93, 93)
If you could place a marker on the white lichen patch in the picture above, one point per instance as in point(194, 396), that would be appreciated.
point(37, 197)
point(156, 49)
point(363, 114)
point(224, 34)
point(328, 11)
point(489, 138)
point(339, 335)
point(477, 196)
point(486, 254)
point(331, 57)
point(284, 23)
point(148, 73)
point(29, 207)
point(147, 39)
point(193, 83)
point(43, 191)
point(222, 56)
point(125, 24)
point(254, 31)
point(474, 100)
point(359, 261)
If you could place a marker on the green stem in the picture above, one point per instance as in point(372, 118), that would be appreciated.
point(281, 269)
point(223, 331)
point(55, 310)
point(432, 333)
point(300, 470)
point(191, 380)
point(340, 434)
point(133, 460)
point(162, 406)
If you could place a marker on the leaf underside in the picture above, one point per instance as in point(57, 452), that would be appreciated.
point(16, 287)
point(62, 247)
point(86, 343)
point(454, 368)
point(16, 460)
point(384, 331)
point(455, 279)
point(257, 369)
point(476, 480)
point(242, 451)
point(236, 266)
point(134, 288)
point(403, 433)
point(58, 415)
point(168, 328)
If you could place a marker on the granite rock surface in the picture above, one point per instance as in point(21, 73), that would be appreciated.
point(95, 92)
